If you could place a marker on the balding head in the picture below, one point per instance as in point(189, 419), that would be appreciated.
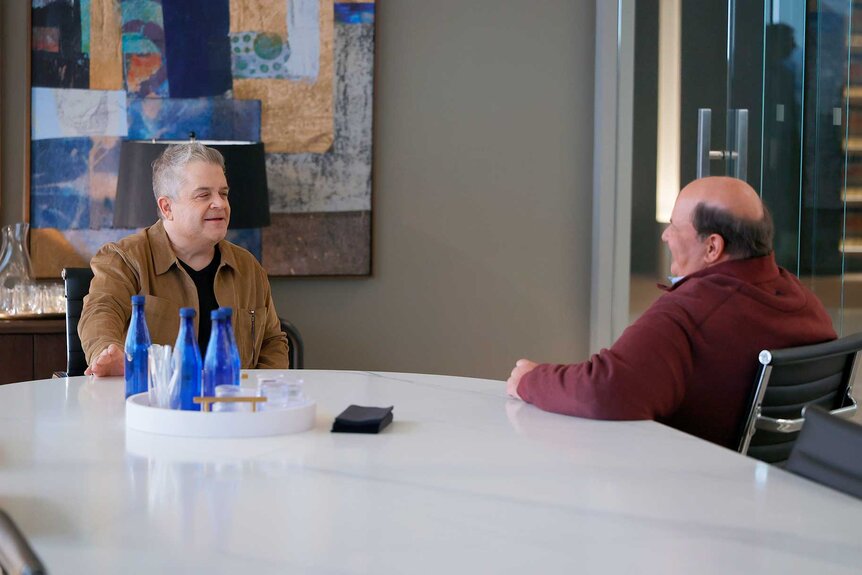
point(733, 210)
point(730, 195)
point(727, 220)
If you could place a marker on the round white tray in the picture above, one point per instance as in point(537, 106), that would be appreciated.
point(140, 416)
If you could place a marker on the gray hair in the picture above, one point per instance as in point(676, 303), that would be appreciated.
point(743, 238)
point(168, 167)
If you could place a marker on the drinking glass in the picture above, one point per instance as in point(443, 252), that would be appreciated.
point(280, 392)
point(228, 390)
point(163, 381)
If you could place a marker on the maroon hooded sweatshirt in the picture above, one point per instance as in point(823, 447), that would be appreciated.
point(690, 360)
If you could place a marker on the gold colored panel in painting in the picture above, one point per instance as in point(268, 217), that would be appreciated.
point(50, 252)
point(297, 116)
point(257, 16)
point(106, 52)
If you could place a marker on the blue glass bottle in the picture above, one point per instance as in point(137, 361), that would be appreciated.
point(227, 313)
point(137, 349)
point(218, 363)
point(187, 359)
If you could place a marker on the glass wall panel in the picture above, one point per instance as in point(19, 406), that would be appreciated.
point(831, 159)
point(783, 100)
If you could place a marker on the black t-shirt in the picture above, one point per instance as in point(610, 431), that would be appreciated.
point(205, 284)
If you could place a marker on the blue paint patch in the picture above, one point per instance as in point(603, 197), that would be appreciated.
point(58, 207)
point(62, 113)
point(85, 26)
point(59, 195)
point(88, 242)
point(59, 160)
point(350, 13)
point(303, 33)
point(143, 27)
point(250, 239)
point(197, 47)
point(208, 118)
point(136, 43)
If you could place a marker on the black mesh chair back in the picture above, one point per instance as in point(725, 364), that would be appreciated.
point(829, 451)
point(77, 282)
point(790, 380)
point(295, 346)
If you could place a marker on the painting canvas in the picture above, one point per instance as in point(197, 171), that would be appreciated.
point(294, 74)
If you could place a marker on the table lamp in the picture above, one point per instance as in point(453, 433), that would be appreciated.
point(245, 170)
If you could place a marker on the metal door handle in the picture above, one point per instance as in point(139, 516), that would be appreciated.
point(704, 133)
point(740, 164)
point(738, 155)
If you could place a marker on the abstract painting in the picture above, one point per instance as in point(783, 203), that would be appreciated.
point(297, 75)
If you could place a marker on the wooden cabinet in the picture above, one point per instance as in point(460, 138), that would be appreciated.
point(31, 349)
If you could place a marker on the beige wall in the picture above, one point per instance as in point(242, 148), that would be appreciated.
point(482, 187)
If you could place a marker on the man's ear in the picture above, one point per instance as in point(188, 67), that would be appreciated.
point(165, 207)
point(714, 249)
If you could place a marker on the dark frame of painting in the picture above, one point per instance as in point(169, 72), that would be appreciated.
point(320, 173)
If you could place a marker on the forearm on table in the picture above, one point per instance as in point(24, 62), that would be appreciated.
point(99, 327)
point(640, 377)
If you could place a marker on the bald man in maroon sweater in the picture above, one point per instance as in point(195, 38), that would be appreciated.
point(691, 358)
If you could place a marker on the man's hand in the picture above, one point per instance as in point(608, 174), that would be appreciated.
point(109, 362)
point(522, 366)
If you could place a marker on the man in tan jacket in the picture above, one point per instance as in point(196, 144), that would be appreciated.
point(182, 260)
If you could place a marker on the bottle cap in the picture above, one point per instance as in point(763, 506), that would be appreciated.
point(227, 311)
point(215, 314)
point(187, 312)
point(138, 300)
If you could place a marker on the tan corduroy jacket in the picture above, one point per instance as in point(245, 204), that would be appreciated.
point(145, 263)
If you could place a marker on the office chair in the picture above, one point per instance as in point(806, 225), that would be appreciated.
point(16, 555)
point(787, 382)
point(295, 345)
point(829, 451)
point(78, 285)
point(77, 282)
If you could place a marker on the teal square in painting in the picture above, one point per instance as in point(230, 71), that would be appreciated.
point(259, 55)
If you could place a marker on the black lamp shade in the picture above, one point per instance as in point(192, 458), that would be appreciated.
point(245, 170)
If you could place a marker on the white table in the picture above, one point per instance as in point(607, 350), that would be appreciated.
point(464, 481)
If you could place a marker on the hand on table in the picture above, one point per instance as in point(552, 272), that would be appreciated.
point(109, 362)
point(522, 366)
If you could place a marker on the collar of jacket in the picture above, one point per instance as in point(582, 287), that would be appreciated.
point(164, 256)
point(752, 270)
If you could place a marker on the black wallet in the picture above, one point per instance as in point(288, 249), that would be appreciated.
point(358, 419)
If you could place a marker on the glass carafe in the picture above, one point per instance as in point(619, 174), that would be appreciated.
point(15, 267)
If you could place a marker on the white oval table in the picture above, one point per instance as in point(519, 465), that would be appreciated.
point(464, 481)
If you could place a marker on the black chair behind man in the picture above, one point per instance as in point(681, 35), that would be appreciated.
point(77, 282)
point(789, 380)
point(829, 451)
point(295, 345)
point(78, 285)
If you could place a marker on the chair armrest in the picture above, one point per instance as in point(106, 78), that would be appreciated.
point(791, 425)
